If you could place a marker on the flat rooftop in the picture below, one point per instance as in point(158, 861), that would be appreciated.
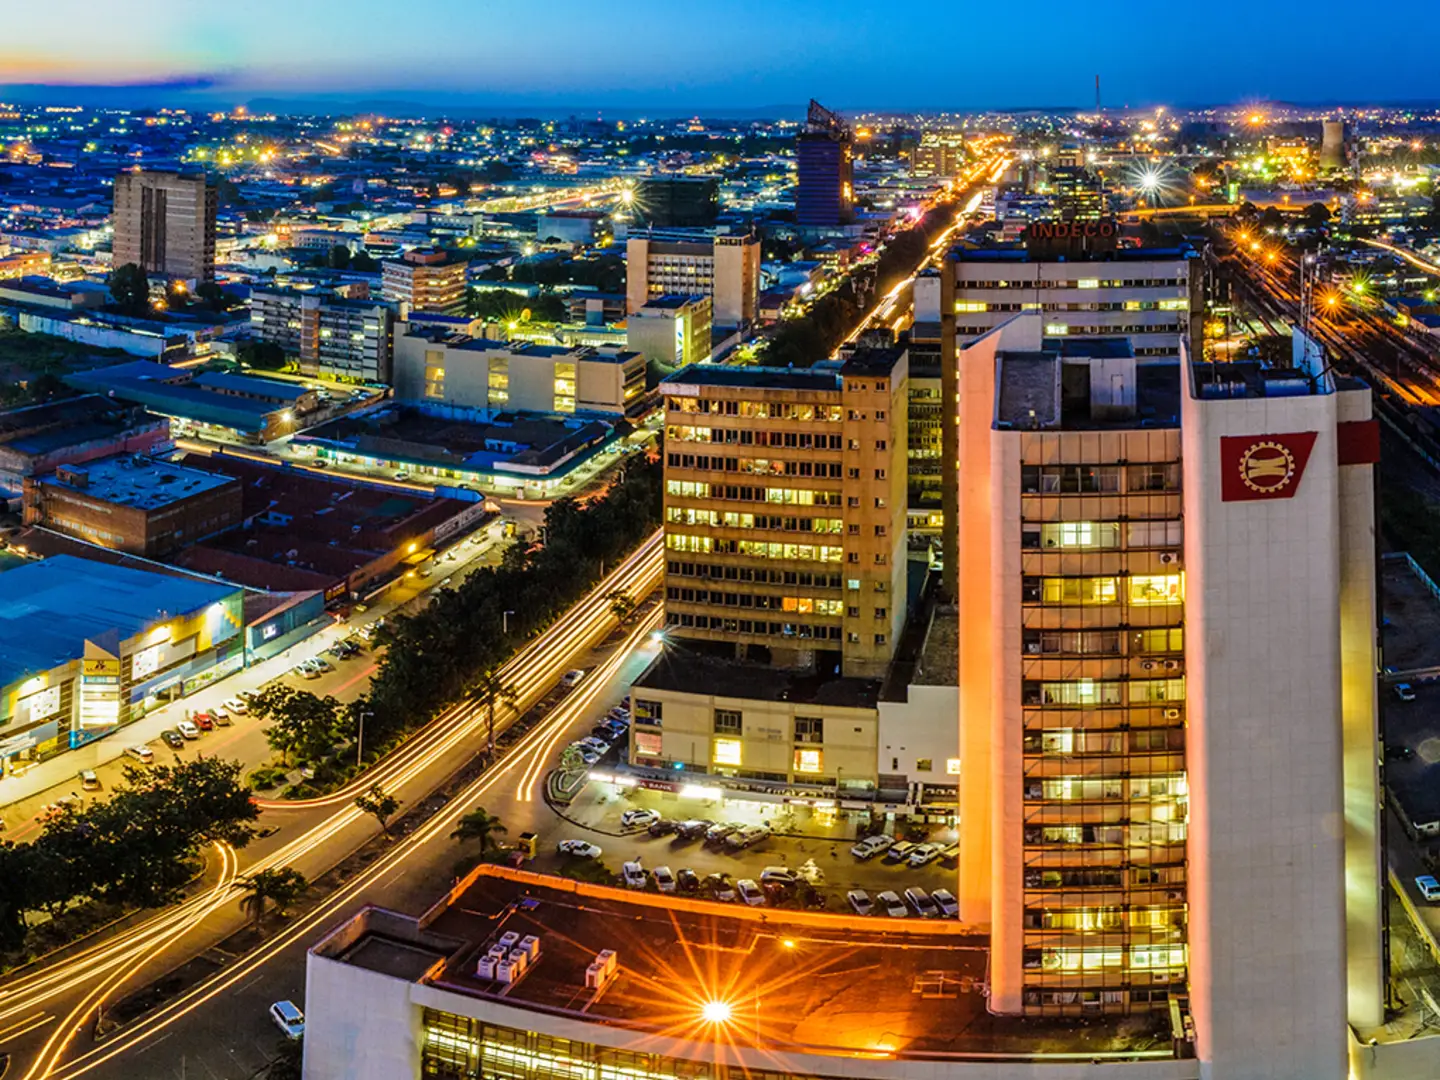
point(41, 429)
point(796, 985)
point(132, 480)
point(1048, 390)
point(759, 378)
point(1018, 254)
point(1249, 379)
point(49, 608)
point(170, 391)
point(679, 669)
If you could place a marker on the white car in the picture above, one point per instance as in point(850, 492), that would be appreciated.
point(187, 729)
point(891, 904)
point(633, 874)
point(946, 902)
point(1428, 886)
point(590, 742)
point(872, 846)
point(238, 707)
point(581, 849)
point(306, 672)
point(140, 753)
point(664, 878)
point(925, 854)
point(778, 875)
point(288, 1019)
point(321, 664)
point(860, 901)
point(572, 677)
point(750, 892)
point(639, 819)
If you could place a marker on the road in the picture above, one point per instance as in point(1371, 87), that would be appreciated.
point(47, 1014)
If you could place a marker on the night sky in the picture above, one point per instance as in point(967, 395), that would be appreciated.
point(742, 54)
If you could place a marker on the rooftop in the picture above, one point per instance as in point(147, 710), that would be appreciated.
point(679, 669)
point(669, 302)
point(872, 361)
point(49, 608)
point(1250, 379)
point(169, 391)
point(41, 429)
point(133, 480)
point(759, 378)
point(1017, 253)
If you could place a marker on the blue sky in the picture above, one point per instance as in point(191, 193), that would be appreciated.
point(702, 53)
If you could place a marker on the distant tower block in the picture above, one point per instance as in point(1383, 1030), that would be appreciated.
point(1332, 144)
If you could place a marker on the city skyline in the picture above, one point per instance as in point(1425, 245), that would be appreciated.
point(750, 58)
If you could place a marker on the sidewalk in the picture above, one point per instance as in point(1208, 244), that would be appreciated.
point(61, 770)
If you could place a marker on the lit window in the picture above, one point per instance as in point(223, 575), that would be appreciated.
point(1088, 283)
point(1056, 329)
point(806, 760)
point(952, 766)
point(726, 752)
point(1157, 589)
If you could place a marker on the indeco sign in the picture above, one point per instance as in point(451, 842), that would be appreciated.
point(1071, 237)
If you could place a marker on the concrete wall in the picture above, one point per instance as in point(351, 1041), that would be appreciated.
point(920, 728)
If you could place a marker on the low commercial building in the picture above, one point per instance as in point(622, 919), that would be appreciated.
point(90, 646)
point(436, 367)
point(38, 439)
point(671, 331)
point(133, 503)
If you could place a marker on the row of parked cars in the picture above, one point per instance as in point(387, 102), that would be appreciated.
point(775, 883)
point(188, 730)
point(938, 904)
point(729, 836)
point(604, 735)
point(903, 851)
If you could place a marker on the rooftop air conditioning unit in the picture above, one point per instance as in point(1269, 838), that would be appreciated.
point(1172, 714)
point(1168, 557)
point(1148, 665)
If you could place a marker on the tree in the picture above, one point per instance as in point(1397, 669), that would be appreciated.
point(363, 262)
point(281, 886)
point(210, 295)
point(302, 724)
point(622, 605)
point(265, 355)
point(379, 804)
point(1317, 215)
point(130, 289)
point(339, 258)
point(481, 826)
point(492, 691)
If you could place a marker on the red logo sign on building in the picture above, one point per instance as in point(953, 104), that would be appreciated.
point(1263, 466)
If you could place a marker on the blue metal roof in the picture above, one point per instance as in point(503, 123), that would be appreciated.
point(50, 608)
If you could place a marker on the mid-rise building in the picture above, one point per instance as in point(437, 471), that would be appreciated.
point(824, 170)
point(683, 202)
point(165, 224)
point(785, 511)
point(139, 505)
point(1168, 780)
point(671, 331)
point(436, 367)
point(723, 267)
point(425, 280)
point(940, 154)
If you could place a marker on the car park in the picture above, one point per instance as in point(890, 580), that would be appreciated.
point(288, 1019)
point(750, 892)
point(664, 878)
point(187, 729)
point(172, 739)
point(718, 887)
point(661, 827)
point(633, 875)
point(693, 829)
point(899, 851)
point(872, 846)
point(920, 902)
point(204, 721)
point(890, 904)
point(859, 901)
point(581, 849)
point(638, 819)
point(687, 881)
point(924, 854)
point(946, 902)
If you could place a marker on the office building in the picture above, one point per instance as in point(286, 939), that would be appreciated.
point(785, 511)
point(288, 318)
point(436, 368)
point(1077, 193)
point(939, 154)
point(89, 646)
point(1152, 296)
point(824, 170)
point(671, 331)
point(328, 335)
point(723, 267)
point(1168, 780)
point(677, 202)
point(139, 505)
point(424, 280)
point(165, 224)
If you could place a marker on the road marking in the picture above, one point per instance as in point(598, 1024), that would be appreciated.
point(24, 1027)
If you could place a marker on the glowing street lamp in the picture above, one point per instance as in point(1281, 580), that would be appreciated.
point(716, 1012)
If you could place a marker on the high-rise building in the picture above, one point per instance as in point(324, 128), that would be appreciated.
point(785, 511)
point(683, 202)
point(425, 279)
point(1168, 781)
point(671, 331)
point(940, 154)
point(824, 170)
point(723, 267)
point(1332, 145)
point(165, 224)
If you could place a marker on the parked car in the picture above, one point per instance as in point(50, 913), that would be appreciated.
point(687, 881)
point(633, 874)
point(718, 887)
point(288, 1019)
point(872, 846)
point(321, 664)
point(587, 755)
point(599, 746)
point(246, 697)
point(187, 729)
point(746, 837)
point(581, 849)
point(204, 721)
point(661, 827)
point(172, 739)
point(778, 875)
point(693, 829)
point(638, 819)
point(142, 754)
point(920, 901)
point(664, 878)
point(899, 851)
point(891, 904)
point(750, 892)
point(1428, 886)
point(572, 678)
point(306, 672)
point(402, 475)
point(860, 901)
point(925, 854)
point(89, 781)
point(716, 834)
point(220, 716)
point(238, 706)
point(946, 902)
point(1404, 691)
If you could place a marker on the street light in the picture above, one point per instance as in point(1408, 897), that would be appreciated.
point(716, 1012)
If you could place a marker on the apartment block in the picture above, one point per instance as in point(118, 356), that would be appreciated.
point(678, 262)
point(425, 280)
point(329, 335)
point(165, 224)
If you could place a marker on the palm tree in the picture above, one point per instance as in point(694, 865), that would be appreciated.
point(622, 606)
point(482, 826)
point(282, 886)
point(493, 691)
